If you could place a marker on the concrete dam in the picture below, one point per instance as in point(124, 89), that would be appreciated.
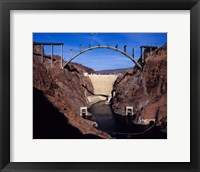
point(103, 85)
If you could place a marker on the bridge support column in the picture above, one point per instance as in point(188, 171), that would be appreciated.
point(51, 55)
point(70, 53)
point(133, 53)
point(80, 47)
point(125, 48)
point(61, 56)
point(42, 48)
point(142, 55)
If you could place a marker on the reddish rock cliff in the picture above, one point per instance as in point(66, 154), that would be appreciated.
point(64, 89)
point(145, 90)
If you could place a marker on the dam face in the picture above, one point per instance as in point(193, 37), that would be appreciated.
point(102, 84)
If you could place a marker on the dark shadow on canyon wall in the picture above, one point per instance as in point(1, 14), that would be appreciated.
point(49, 123)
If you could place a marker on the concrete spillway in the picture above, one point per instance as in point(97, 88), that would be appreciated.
point(102, 84)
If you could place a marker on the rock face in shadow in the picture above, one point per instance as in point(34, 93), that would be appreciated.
point(145, 90)
point(65, 90)
point(48, 122)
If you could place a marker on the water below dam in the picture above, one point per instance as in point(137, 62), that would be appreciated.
point(122, 127)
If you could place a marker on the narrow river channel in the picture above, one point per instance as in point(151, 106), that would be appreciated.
point(121, 127)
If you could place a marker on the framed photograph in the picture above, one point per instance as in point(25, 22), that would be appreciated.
point(92, 85)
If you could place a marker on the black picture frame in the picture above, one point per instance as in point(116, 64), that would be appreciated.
point(7, 5)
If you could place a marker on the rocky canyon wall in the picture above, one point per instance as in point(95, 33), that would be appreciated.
point(145, 90)
point(64, 89)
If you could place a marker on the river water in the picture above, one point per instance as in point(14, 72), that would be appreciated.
point(121, 127)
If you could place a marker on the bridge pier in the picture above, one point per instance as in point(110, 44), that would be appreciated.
point(51, 55)
point(150, 48)
point(125, 48)
point(49, 44)
point(70, 52)
point(42, 53)
point(142, 54)
point(133, 53)
point(80, 47)
point(61, 56)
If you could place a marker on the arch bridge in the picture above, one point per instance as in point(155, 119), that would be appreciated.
point(104, 47)
point(150, 48)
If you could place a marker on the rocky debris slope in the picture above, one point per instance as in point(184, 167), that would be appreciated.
point(145, 90)
point(64, 89)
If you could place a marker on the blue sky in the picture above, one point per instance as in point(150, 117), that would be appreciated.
point(101, 59)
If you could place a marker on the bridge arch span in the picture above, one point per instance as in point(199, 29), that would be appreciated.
point(106, 47)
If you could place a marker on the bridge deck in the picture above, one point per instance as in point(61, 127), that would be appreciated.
point(48, 43)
